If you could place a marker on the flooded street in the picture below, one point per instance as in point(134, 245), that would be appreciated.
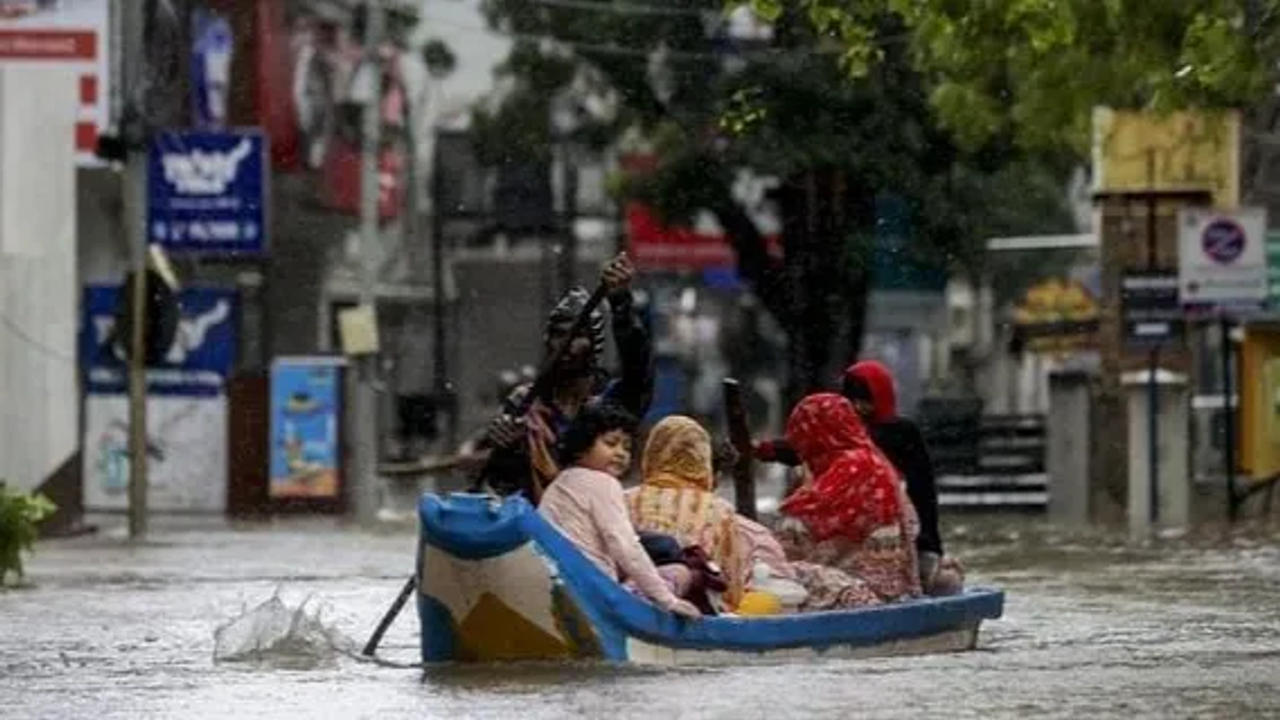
point(1181, 628)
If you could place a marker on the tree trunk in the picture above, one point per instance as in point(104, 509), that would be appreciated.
point(818, 293)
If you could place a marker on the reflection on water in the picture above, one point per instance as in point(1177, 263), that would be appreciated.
point(1094, 626)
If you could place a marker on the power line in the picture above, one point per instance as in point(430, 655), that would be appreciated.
point(624, 50)
point(44, 349)
point(621, 8)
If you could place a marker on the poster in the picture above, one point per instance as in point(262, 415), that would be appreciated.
point(306, 404)
point(72, 34)
point(186, 451)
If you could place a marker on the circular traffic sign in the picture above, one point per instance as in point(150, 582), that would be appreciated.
point(1223, 240)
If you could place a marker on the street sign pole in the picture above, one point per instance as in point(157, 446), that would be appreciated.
point(1153, 391)
point(1228, 419)
point(365, 406)
point(132, 23)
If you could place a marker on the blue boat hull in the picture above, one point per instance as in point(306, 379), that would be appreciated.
point(497, 582)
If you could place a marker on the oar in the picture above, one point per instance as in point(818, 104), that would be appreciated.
point(372, 646)
point(542, 381)
point(541, 384)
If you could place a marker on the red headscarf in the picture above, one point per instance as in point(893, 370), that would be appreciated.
point(854, 489)
point(879, 384)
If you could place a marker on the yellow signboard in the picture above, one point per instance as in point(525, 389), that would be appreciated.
point(1188, 150)
point(1260, 402)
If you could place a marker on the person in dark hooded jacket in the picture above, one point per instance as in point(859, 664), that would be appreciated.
point(524, 457)
point(869, 386)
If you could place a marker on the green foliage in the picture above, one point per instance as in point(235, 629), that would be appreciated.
point(1036, 68)
point(19, 514)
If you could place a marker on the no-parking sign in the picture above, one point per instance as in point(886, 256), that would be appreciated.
point(1222, 257)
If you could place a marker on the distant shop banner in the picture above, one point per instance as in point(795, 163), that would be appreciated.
point(656, 246)
point(198, 362)
point(206, 191)
point(306, 405)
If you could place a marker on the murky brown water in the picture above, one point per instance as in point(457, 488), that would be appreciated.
point(1093, 628)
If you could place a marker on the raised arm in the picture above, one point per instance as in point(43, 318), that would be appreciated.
point(634, 387)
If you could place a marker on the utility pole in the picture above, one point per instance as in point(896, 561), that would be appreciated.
point(132, 128)
point(365, 410)
point(440, 370)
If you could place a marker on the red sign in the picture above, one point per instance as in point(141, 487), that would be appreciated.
point(48, 45)
point(655, 246)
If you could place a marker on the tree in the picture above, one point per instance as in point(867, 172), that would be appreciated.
point(1034, 69)
point(840, 143)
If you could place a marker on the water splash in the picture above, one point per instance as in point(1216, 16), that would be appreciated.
point(274, 634)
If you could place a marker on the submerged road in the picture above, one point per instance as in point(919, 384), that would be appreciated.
point(1093, 627)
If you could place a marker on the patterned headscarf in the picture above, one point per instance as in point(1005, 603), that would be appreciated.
point(566, 312)
point(854, 490)
point(678, 454)
point(677, 498)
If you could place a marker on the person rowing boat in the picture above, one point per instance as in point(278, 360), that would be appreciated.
point(523, 435)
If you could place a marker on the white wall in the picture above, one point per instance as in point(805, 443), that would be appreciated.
point(39, 406)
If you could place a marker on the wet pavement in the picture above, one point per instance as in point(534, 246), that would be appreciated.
point(1093, 626)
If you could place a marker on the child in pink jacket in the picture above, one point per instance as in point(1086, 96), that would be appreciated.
point(586, 503)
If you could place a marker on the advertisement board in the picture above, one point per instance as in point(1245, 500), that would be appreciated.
point(305, 441)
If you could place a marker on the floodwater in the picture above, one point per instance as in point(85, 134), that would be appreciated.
point(1093, 627)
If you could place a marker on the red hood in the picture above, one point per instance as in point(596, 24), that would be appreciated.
point(879, 382)
point(822, 427)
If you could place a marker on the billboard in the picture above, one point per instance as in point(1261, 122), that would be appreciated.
point(67, 33)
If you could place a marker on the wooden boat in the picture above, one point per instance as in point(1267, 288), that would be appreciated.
point(497, 582)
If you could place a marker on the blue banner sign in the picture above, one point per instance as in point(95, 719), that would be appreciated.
point(198, 362)
point(206, 192)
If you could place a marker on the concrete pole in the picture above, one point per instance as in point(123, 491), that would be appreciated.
point(440, 370)
point(132, 23)
point(365, 492)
